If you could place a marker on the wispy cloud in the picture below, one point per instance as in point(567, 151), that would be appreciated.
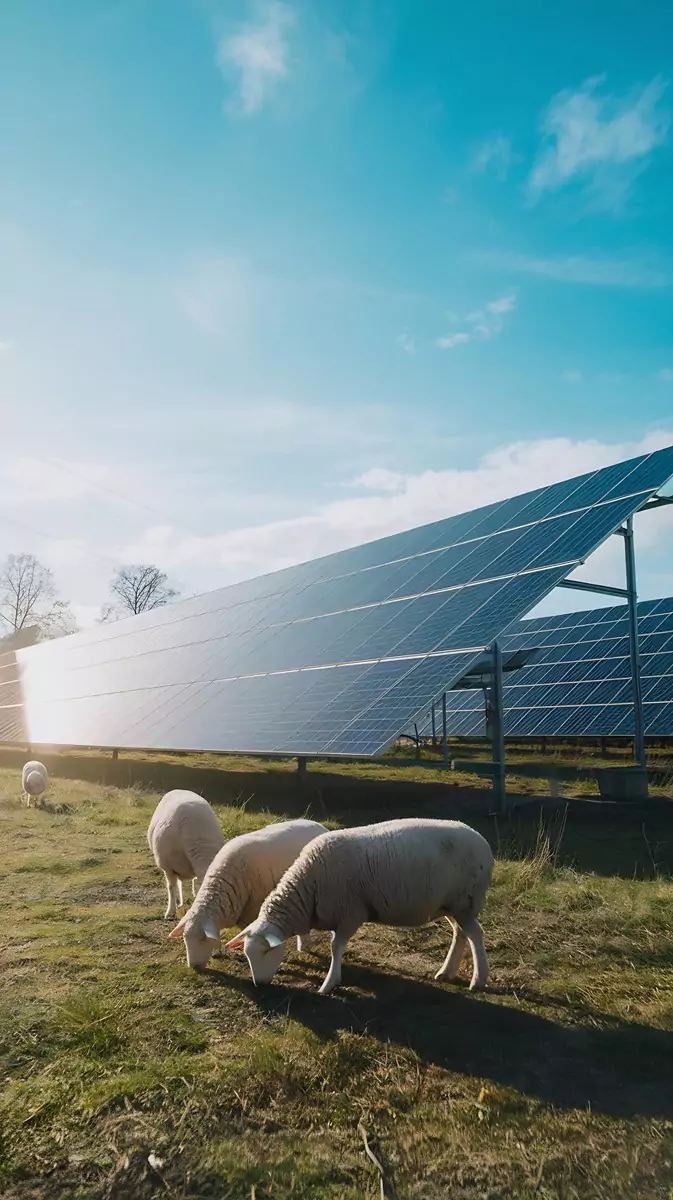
point(625, 273)
point(482, 324)
point(407, 343)
point(5, 347)
point(666, 375)
point(496, 155)
point(602, 141)
point(259, 54)
point(572, 376)
point(389, 501)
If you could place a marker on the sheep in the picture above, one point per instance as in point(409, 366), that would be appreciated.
point(184, 836)
point(237, 881)
point(34, 781)
point(402, 872)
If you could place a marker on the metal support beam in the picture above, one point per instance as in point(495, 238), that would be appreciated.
point(445, 745)
point(498, 732)
point(634, 646)
point(656, 503)
point(578, 585)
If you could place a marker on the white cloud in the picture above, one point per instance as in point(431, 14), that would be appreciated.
point(666, 375)
point(452, 340)
point(5, 347)
point(626, 273)
point(390, 501)
point(450, 194)
point(572, 376)
point(380, 479)
point(599, 140)
point(258, 52)
point(495, 154)
point(484, 323)
point(504, 305)
point(407, 343)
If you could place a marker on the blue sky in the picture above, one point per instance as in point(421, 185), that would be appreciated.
point(279, 277)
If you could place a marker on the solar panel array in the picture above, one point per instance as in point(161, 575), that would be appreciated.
point(580, 685)
point(335, 656)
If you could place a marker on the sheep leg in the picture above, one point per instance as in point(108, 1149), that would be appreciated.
point(304, 943)
point(451, 965)
point(340, 939)
point(475, 937)
point(196, 884)
point(171, 888)
point(181, 898)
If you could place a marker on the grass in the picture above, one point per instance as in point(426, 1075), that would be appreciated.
point(125, 1075)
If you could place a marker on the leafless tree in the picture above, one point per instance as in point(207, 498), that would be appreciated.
point(28, 598)
point(138, 589)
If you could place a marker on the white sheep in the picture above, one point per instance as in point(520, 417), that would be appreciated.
point(184, 836)
point(238, 880)
point(404, 872)
point(34, 780)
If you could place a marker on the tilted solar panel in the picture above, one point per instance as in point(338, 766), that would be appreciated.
point(580, 684)
point(335, 656)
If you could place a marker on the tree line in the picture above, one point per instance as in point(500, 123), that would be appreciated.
point(29, 600)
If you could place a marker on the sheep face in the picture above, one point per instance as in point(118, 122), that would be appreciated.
point(201, 939)
point(264, 948)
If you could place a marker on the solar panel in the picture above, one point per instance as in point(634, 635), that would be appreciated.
point(580, 684)
point(335, 656)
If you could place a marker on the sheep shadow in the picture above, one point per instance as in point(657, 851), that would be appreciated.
point(620, 1071)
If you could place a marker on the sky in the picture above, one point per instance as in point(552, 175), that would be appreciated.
point(278, 278)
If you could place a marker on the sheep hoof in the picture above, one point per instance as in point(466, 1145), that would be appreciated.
point(328, 987)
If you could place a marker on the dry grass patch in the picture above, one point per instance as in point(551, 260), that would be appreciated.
point(126, 1075)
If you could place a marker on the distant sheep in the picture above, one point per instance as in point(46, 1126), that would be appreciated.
point(34, 781)
point(238, 879)
point(404, 872)
point(184, 837)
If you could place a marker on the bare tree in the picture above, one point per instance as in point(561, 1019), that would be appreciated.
point(28, 598)
point(138, 589)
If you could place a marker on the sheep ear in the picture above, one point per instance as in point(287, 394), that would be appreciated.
point(273, 939)
point(239, 939)
point(211, 931)
point(179, 929)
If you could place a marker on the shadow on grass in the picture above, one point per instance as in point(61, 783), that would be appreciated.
point(623, 1071)
point(609, 839)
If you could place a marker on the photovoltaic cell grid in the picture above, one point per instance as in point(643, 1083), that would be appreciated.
point(580, 686)
point(335, 656)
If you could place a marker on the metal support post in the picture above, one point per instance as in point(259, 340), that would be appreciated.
point(498, 733)
point(634, 645)
point(434, 727)
point(445, 748)
point(301, 767)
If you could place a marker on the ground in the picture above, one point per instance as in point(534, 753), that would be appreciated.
point(126, 1075)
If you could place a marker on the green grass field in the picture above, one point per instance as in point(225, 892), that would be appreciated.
point(125, 1075)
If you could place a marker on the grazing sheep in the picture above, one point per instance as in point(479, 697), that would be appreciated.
point(184, 837)
point(238, 880)
point(404, 872)
point(34, 780)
